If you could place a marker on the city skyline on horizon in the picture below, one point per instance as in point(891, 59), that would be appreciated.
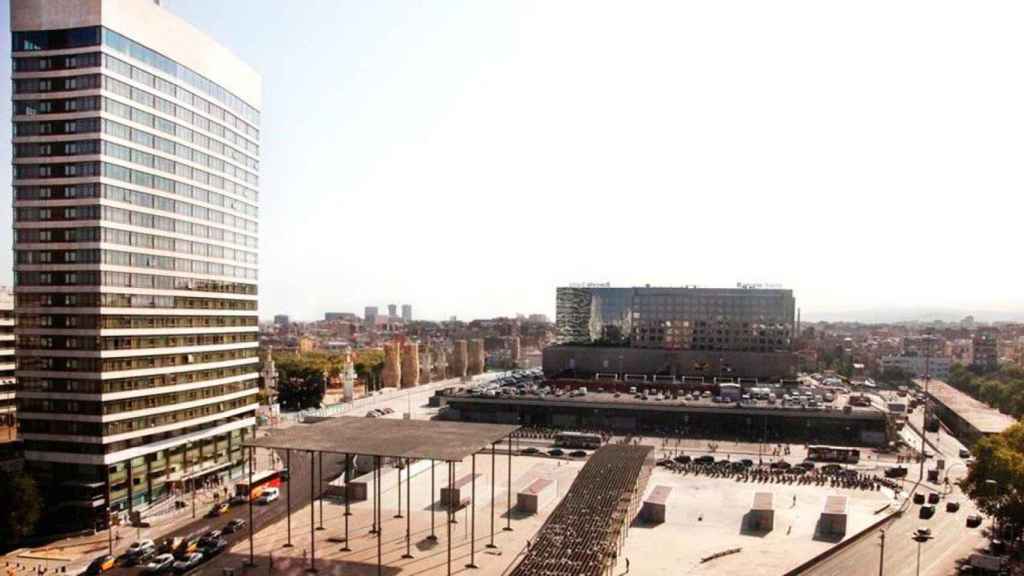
point(701, 144)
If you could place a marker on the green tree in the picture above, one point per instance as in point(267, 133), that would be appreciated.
point(996, 480)
point(300, 385)
point(20, 507)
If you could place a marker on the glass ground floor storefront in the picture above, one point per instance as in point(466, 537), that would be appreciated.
point(77, 493)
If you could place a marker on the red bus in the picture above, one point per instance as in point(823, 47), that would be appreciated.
point(260, 481)
point(833, 454)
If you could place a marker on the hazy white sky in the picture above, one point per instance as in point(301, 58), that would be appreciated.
point(467, 157)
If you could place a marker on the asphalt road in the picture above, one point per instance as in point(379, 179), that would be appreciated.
point(951, 539)
point(263, 515)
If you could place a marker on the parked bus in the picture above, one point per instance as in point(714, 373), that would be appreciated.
point(833, 454)
point(578, 440)
point(260, 481)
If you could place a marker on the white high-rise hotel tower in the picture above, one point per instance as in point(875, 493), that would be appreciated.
point(136, 170)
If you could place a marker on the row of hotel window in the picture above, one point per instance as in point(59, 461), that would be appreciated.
point(96, 190)
point(91, 321)
point(50, 426)
point(36, 40)
point(179, 169)
point(113, 447)
point(154, 202)
point(59, 342)
point(135, 260)
point(136, 363)
point(55, 85)
point(130, 280)
point(90, 386)
point(96, 408)
point(133, 218)
point(114, 300)
point(132, 260)
point(237, 149)
point(42, 127)
point(125, 238)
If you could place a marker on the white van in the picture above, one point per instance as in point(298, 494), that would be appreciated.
point(269, 495)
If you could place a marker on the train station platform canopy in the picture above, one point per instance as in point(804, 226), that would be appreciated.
point(389, 438)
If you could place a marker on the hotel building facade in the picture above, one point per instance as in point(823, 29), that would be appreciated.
point(136, 176)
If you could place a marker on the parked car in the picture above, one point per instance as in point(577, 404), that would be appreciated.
point(158, 564)
point(705, 459)
point(100, 565)
point(269, 495)
point(918, 498)
point(188, 562)
point(952, 506)
point(896, 472)
point(187, 546)
point(211, 536)
point(933, 498)
point(556, 452)
point(214, 547)
point(578, 453)
point(682, 459)
point(140, 555)
point(974, 520)
point(927, 511)
point(140, 546)
point(965, 453)
point(234, 526)
point(923, 532)
point(529, 450)
point(218, 509)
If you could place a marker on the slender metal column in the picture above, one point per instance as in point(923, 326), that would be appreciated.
point(312, 511)
point(380, 526)
point(433, 504)
point(252, 548)
point(348, 512)
point(451, 511)
point(320, 496)
point(408, 509)
point(373, 508)
point(508, 498)
point(398, 469)
point(494, 452)
point(472, 518)
point(288, 485)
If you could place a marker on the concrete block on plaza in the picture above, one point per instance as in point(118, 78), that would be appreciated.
point(655, 505)
point(762, 514)
point(452, 497)
point(833, 518)
point(357, 491)
point(536, 496)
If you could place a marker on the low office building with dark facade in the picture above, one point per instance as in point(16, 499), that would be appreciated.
point(677, 331)
point(702, 419)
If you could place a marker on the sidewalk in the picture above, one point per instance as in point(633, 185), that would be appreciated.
point(74, 554)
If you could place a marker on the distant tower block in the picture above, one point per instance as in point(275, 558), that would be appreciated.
point(391, 375)
point(440, 364)
point(476, 357)
point(348, 376)
point(460, 361)
point(425, 366)
point(516, 352)
point(410, 364)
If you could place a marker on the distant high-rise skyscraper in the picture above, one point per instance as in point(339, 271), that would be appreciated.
point(370, 315)
point(392, 311)
point(407, 312)
point(136, 170)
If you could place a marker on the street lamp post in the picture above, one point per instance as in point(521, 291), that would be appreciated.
point(881, 552)
point(992, 486)
point(920, 538)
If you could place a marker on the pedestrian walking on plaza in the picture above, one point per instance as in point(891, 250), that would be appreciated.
point(627, 565)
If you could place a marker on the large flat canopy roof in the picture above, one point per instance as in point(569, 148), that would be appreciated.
point(419, 439)
point(984, 418)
